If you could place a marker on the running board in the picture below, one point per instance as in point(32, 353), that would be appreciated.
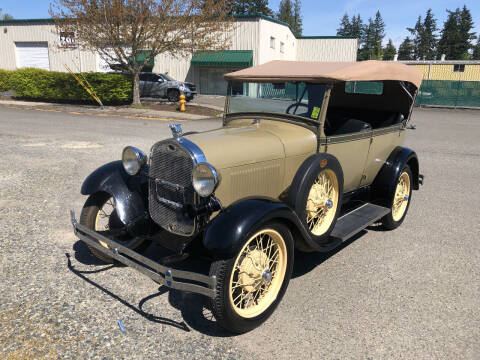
point(356, 220)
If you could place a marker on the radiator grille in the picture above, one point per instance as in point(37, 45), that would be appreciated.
point(170, 187)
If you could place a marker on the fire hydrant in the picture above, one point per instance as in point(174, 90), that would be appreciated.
point(182, 103)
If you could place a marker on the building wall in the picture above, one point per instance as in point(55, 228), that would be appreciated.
point(42, 32)
point(281, 34)
point(327, 49)
point(435, 71)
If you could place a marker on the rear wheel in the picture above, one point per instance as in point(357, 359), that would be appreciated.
point(99, 214)
point(400, 200)
point(173, 95)
point(251, 284)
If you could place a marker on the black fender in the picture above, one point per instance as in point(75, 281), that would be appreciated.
point(130, 200)
point(387, 178)
point(225, 234)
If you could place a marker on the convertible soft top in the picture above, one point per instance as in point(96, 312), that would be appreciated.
point(328, 72)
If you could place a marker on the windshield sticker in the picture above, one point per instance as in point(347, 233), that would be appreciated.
point(315, 112)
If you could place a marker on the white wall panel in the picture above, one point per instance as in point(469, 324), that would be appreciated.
point(333, 49)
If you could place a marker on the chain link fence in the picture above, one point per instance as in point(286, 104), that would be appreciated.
point(449, 93)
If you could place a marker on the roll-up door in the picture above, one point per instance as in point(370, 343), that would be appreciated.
point(32, 54)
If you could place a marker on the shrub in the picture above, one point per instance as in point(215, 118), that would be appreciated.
point(5, 80)
point(38, 84)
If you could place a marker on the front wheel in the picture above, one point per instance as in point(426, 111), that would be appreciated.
point(99, 213)
point(400, 200)
point(251, 284)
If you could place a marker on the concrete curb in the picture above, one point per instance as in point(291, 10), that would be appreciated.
point(107, 111)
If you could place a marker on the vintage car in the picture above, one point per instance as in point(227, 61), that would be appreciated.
point(309, 154)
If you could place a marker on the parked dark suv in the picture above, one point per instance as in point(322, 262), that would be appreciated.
point(163, 86)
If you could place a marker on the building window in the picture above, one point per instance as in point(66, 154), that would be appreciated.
point(459, 68)
point(282, 47)
point(272, 42)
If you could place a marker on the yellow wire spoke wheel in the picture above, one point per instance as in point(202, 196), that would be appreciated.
point(102, 219)
point(402, 197)
point(258, 273)
point(322, 202)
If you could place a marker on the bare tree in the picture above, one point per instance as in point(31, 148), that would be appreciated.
point(125, 31)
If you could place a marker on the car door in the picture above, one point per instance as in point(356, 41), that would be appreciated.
point(145, 85)
point(382, 144)
point(351, 150)
point(158, 85)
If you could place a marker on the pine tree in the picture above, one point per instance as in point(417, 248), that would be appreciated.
point(356, 27)
point(429, 38)
point(378, 35)
point(345, 28)
point(457, 35)
point(286, 13)
point(372, 39)
point(476, 50)
point(417, 34)
point(450, 36)
point(390, 51)
point(466, 34)
point(298, 21)
point(251, 7)
point(406, 50)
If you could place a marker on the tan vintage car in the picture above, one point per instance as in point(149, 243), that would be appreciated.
point(309, 154)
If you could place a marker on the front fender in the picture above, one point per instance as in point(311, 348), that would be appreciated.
point(226, 233)
point(125, 189)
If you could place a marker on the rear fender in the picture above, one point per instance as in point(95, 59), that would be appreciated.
point(125, 189)
point(387, 178)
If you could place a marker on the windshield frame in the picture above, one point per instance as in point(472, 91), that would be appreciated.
point(308, 122)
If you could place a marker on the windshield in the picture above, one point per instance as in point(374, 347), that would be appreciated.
point(167, 78)
point(300, 99)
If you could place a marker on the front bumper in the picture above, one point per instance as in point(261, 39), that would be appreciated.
point(199, 283)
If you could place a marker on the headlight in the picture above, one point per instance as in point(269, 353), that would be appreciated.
point(205, 179)
point(133, 160)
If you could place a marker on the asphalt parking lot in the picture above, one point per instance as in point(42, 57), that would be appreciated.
point(413, 293)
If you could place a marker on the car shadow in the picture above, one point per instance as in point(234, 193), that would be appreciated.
point(306, 262)
point(195, 309)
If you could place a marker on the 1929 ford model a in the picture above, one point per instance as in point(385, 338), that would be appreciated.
point(309, 154)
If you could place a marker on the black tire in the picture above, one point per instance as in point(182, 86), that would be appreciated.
point(222, 308)
point(88, 217)
point(388, 221)
point(300, 189)
point(173, 95)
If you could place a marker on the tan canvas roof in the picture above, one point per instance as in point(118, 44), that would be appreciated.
point(319, 72)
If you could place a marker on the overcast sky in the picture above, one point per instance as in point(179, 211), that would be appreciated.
point(319, 17)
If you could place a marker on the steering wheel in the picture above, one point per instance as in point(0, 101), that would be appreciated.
point(296, 105)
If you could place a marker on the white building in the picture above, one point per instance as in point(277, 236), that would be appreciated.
point(254, 41)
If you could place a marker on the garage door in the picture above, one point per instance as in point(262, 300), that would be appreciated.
point(212, 81)
point(32, 54)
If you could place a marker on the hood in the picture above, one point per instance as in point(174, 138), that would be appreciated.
point(242, 142)
point(230, 147)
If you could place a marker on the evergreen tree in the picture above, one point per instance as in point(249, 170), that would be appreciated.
point(429, 37)
point(476, 50)
point(466, 34)
point(457, 34)
point(345, 28)
point(286, 13)
point(298, 21)
point(406, 50)
point(378, 35)
point(251, 7)
point(417, 33)
point(390, 51)
point(372, 39)
point(356, 27)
